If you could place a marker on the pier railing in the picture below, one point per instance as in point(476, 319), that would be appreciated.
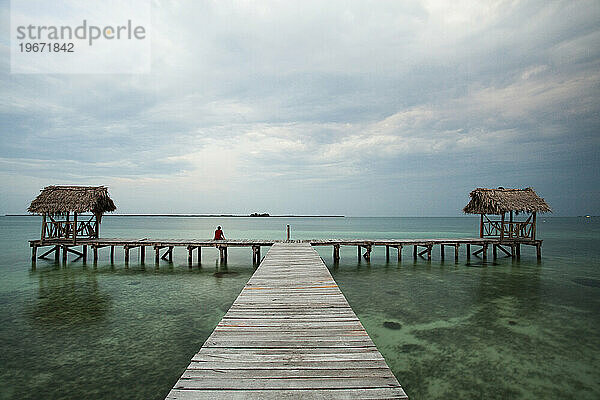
point(508, 230)
point(69, 229)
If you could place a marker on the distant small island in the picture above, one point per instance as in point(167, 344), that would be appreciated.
point(260, 215)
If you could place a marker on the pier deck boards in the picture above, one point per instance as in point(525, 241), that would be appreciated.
point(289, 334)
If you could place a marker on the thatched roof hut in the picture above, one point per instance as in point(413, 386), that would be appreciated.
point(500, 201)
point(57, 200)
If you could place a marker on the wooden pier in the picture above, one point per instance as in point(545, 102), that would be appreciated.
point(163, 248)
point(289, 334)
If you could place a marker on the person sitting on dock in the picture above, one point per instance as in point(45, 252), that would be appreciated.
point(219, 234)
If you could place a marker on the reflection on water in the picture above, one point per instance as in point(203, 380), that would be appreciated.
point(68, 298)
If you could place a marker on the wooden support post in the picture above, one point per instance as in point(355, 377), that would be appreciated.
point(415, 248)
point(258, 254)
point(495, 251)
point(254, 255)
point(336, 252)
point(170, 254)
point(501, 229)
point(56, 253)
point(190, 256)
point(429, 247)
point(221, 255)
point(442, 251)
point(112, 254)
point(288, 232)
point(387, 253)
point(33, 254)
point(226, 253)
point(456, 246)
point(126, 249)
point(484, 249)
point(156, 255)
point(64, 256)
point(533, 226)
point(359, 252)
point(468, 251)
point(518, 250)
point(199, 255)
point(538, 248)
point(143, 255)
point(510, 231)
point(84, 252)
point(399, 252)
point(513, 251)
point(95, 253)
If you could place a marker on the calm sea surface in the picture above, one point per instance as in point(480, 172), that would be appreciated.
point(497, 330)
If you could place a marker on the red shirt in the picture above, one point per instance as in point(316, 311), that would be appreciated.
point(219, 235)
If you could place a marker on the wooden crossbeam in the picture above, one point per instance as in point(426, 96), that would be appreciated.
point(55, 248)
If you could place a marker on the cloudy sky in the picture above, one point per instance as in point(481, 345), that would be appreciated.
point(362, 108)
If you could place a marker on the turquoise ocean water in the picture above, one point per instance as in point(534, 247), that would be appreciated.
point(497, 330)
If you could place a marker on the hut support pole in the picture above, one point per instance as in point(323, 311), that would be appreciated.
point(84, 252)
point(254, 262)
point(456, 246)
point(64, 257)
point(495, 251)
point(33, 254)
point(468, 251)
point(74, 228)
point(510, 231)
point(538, 248)
point(258, 254)
point(56, 253)
point(43, 235)
point(399, 252)
point(501, 229)
point(156, 255)
point(190, 256)
point(199, 255)
point(518, 251)
point(336, 252)
point(481, 227)
point(359, 252)
point(387, 253)
point(429, 248)
point(533, 226)
point(142, 254)
point(442, 251)
point(95, 253)
point(485, 248)
point(415, 251)
point(112, 254)
point(513, 251)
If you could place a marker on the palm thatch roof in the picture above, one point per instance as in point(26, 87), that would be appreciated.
point(499, 201)
point(56, 200)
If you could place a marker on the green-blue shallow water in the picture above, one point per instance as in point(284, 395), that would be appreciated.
point(498, 330)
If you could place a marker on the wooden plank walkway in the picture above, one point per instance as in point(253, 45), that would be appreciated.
point(289, 334)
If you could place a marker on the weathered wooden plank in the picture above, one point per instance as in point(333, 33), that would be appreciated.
point(342, 394)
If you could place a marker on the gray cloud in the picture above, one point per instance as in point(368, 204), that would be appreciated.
point(274, 105)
